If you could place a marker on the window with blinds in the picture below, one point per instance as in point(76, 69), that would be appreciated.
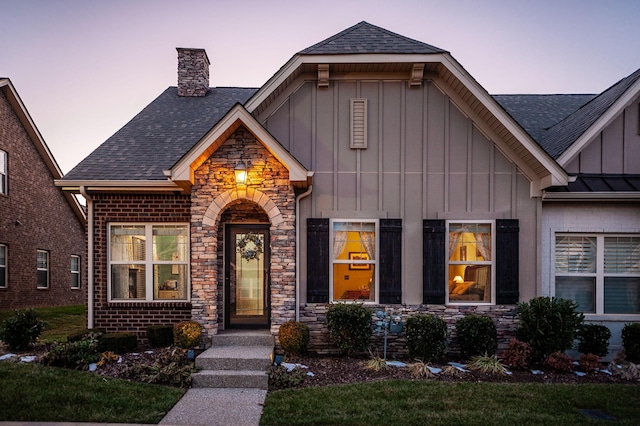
point(600, 272)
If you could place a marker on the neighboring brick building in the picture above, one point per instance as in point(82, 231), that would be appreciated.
point(42, 229)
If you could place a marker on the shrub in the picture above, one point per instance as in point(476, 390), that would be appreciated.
point(548, 325)
point(83, 334)
point(294, 337)
point(349, 327)
point(160, 336)
point(187, 334)
point(170, 367)
point(77, 354)
point(517, 355)
point(476, 335)
point(426, 337)
point(559, 362)
point(21, 330)
point(631, 341)
point(119, 343)
point(594, 339)
point(281, 378)
point(589, 362)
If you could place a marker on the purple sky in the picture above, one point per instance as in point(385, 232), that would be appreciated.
point(84, 68)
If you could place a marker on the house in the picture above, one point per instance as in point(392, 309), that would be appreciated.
point(371, 167)
point(42, 229)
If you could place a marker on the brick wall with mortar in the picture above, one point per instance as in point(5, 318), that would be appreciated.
point(314, 316)
point(35, 215)
point(213, 192)
point(193, 72)
point(133, 208)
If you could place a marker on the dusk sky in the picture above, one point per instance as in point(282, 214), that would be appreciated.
point(84, 68)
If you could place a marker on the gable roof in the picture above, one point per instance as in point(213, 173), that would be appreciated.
point(367, 38)
point(38, 141)
point(156, 138)
point(538, 113)
point(564, 140)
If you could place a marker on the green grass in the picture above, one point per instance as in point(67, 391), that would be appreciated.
point(436, 403)
point(32, 392)
point(60, 321)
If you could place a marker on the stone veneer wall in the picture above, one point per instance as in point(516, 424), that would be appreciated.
point(503, 316)
point(214, 191)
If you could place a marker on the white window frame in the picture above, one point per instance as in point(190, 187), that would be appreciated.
point(3, 173)
point(3, 266)
point(599, 273)
point(149, 262)
point(75, 273)
point(45, 269)
point(375, 262)
point(491, 263)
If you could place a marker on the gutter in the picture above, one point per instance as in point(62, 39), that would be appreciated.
point(298, 198)
point(90, 295)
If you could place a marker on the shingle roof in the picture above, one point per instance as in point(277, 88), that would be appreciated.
point(537, 113)
point(601, 183)
point(156, 138)
point(366, 38)
point(565, 133)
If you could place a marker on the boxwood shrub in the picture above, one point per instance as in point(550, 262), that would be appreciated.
point(349, 327)
point(476, 335)
point(426, 337)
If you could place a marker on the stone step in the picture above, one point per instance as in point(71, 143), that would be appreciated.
point(235, 358)
point(230, 379)
point(243, 338)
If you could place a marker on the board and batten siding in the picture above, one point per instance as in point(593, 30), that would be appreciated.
point(425, 159)
point(615, 150)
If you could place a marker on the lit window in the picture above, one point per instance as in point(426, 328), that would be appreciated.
point(3, 172)
point(470, 262)
point(3, 266)
point(601, 273)
point(75, 271)
point(353, 260)
point(142, 274)
point(43, 269)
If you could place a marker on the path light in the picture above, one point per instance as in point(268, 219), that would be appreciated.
point(241, 173)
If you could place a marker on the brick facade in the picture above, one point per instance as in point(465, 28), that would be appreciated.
point(35, 215)
point(133, 208)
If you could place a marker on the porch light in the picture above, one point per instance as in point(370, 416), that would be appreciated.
point(241, 173)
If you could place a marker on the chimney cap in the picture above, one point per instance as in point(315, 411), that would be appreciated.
point(194, 49)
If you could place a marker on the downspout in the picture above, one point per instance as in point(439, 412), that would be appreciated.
point(86, 196)
point(298, 198)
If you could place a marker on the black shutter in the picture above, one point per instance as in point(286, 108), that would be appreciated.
point(317, 260)
point(390, 258)
point(507, 258)
point(433, 262)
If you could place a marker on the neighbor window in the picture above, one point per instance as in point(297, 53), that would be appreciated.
point(3, 172)
point(353, 260)
point(470, 262)
point(600, 272)
point(75, 271)
point(3, 266)
point(156, 272)
point(43, 269)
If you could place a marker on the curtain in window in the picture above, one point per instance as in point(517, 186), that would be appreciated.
point(454, 239)
point(483, 243)
point(369, 242)
point(339, 241)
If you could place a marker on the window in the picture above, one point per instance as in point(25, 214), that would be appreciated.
point(353, 260)
point(43, 269)
point(470, 262)
point(600, 272)
point(3, 172)
point(158, 273)
point(75, 271)
point(3, 266)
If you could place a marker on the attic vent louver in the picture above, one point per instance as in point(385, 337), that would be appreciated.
point(358, 123)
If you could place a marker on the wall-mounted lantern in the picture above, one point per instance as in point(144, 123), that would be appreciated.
point(241, 173)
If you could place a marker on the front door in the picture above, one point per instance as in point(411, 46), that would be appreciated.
point(247, 276)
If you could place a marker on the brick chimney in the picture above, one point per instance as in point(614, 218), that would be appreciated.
point(193, 72)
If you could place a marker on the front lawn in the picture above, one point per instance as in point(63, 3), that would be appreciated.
point(32, 392)
point(61, 321)
point(403, 402)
